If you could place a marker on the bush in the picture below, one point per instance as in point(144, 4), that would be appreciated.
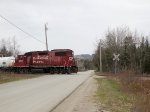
point(138, 86)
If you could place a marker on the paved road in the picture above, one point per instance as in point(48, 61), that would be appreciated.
point(38, 94)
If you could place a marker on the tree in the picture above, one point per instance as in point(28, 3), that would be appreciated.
point(5, 52)
point(124, 42)
point(9, 47)
point(147, 58)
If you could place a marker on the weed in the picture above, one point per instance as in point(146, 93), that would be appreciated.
point(111, 97)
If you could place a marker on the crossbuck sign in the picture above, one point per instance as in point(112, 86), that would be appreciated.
point(116, 57)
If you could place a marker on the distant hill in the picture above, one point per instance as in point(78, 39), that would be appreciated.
point(84, 56)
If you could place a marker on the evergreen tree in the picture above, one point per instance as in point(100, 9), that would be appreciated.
point(132, 55)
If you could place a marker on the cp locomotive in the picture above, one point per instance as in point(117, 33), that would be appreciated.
point(54, 61)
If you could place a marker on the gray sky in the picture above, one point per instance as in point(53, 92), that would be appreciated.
point(74, 24)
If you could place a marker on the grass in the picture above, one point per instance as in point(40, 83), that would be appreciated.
point(124, 92)
point(14, 77)
point(111, 98)
point(140, 87)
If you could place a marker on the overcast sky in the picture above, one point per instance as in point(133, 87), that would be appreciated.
point(73, 24)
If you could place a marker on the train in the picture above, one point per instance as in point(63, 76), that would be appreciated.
point(60, 61)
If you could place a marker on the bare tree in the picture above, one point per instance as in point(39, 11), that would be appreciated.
point(123, 41)
point(9, 47)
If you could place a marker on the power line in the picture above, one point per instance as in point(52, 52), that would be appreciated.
point(21, 29)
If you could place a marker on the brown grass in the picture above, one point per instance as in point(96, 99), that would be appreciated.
point(111, 98)
point(7, 77)
point(136, 84)
point(139, 86)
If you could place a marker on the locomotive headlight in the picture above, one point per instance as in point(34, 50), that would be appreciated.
point(70, 58)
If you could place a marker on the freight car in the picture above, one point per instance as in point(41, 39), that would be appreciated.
point(54, 61)
point(6, 63)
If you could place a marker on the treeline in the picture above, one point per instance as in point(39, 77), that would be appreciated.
point(85, 64)
point(8, 47)
point(134, 50)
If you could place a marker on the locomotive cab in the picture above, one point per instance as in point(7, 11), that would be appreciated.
point(20, 61)
point(65, 58)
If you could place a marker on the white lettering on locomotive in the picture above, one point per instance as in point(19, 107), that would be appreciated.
point(39, 62)
point(20, 61)
point(40, 57)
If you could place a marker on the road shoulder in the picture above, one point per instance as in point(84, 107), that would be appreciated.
point(82, 100)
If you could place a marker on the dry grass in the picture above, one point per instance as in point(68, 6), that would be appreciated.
point(133, 84)
point(140, 87)
point(4, 77)
point(111, 98)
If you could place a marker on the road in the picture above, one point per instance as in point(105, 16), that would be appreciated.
point(82, 100)
point(39, 94)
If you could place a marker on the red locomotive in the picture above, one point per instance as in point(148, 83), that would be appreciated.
point(54, 61)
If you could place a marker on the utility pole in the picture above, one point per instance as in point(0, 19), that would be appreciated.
point(100, 57)
point(14, 45)
point(46, 36)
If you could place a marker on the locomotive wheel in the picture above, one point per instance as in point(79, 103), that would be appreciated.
point(26, 71)
point(18, 70)
point(46, 70)
point(21, 71)
point(55, 70)
point(58, 70)
point(51, 71)
point(74, 69)
point(69, 70)
point(63, 71)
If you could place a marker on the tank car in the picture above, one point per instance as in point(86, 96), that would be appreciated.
point(6, 63)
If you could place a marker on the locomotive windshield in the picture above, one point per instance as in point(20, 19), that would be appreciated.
point(28, 54)
point(20, 57)
point(43, 53)
point(60, 53)
point(68, 53)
